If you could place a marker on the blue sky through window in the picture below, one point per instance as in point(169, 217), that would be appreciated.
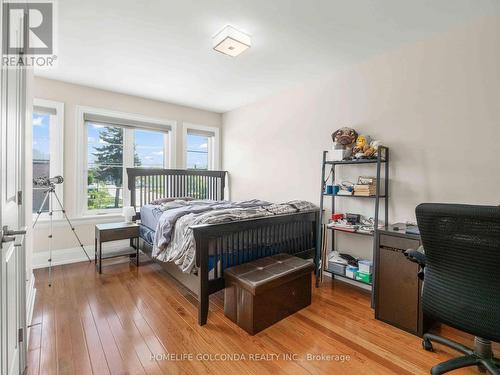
point(41, 155)
point(197, 152)
point(41, 136)
point(149, 147)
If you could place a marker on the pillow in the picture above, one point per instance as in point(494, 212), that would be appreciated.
point(173, 204)
point(302, 205)
point(171, 199)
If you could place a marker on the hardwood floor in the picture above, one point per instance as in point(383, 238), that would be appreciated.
point(129, 321)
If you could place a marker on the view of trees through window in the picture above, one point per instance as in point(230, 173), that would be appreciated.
point(105, 166)
point(105, 161)
point(197, 151)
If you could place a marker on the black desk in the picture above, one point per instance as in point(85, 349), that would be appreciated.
point(397, 287)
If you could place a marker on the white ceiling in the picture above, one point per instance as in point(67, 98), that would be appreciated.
point(161, 49)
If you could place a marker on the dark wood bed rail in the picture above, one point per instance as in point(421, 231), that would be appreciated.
point(148, 184)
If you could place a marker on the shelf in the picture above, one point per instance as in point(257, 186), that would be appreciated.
point(353, 196)
point(381, 200)
point(345, 277)
point(345, 231)
point(347, 162)
point(129, 250)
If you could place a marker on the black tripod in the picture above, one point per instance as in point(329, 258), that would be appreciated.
point(49, 194)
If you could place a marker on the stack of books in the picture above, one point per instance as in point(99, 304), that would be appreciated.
point(365, 190)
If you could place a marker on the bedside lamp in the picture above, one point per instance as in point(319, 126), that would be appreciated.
point(129, 213)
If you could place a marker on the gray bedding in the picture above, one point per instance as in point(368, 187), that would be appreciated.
point(173, 238)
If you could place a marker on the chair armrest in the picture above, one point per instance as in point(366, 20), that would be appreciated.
point(416, 256)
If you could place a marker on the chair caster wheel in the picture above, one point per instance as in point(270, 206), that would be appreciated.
point(427, 345)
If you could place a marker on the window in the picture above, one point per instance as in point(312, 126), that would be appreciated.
point(104, 166)
point(201, 147)
point(197, 151)
point(113, 143)
point(47, 150)
point(149, 148)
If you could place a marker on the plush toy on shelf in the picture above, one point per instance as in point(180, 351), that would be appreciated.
point(362, 145)
point(347, 144)
point(346, 137)
point(373, 149)
point(343, 142)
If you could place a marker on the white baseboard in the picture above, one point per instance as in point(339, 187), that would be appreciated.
point(30, 303)
point(74, 254)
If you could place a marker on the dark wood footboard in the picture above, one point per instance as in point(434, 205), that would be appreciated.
point(219, 246)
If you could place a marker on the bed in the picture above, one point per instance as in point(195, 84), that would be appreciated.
point(220, 245)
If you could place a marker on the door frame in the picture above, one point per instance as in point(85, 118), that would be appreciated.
point(20, 196)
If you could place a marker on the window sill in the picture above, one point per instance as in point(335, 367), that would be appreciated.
point(81, 220)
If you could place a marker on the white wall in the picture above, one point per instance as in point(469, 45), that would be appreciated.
point(75, 95)
point(435, 104)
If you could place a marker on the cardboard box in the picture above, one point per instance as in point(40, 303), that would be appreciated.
point(350, 272)
point(364, 277)
point(365, 266)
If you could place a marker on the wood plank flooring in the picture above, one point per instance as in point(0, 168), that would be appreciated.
point(140, 321)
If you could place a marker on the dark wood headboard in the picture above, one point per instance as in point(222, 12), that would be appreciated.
point(148, 184)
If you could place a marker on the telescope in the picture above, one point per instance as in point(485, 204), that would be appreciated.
point(46, 181)
point(48, 184)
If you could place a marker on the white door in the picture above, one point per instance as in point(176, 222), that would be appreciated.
point(12, 266)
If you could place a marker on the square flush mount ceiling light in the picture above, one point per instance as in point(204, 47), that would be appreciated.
point(230, 41)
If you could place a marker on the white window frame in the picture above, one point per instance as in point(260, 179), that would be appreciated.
point(167, 126)
point(213, 144)
point(56, 137)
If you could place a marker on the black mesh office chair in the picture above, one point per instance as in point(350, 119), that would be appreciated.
point(461, 278)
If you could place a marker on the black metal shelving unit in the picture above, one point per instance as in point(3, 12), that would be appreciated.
point(380, 162)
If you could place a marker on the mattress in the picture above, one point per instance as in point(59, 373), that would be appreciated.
point(150, 214)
